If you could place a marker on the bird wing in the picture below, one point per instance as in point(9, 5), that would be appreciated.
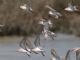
point(54, 54)
point(47, 6)
point(67, 57)
point(37, 40)
point(21, 44)
point(77, 54)
point(28, 44)
point(25, 43)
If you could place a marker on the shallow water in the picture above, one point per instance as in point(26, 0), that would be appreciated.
point(9, 47)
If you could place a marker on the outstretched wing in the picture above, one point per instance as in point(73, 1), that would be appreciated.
point(37, 40)
point(67, 57)
point(49, 7)
point(25, 43)
point(54, 54)
point(78, 55)
point(21, 44)
point(77, 51)
point(28, 44)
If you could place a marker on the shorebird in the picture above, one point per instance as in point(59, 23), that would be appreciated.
point(24, 51)
point(71, 8)
point(46, 25)
point(54, 55)
point(26, 7)
point(38, 45)
point(77, 51)
point(27, 47)
point(53, 12)
point(74, 50)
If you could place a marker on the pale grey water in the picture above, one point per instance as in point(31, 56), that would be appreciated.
point(61, 43)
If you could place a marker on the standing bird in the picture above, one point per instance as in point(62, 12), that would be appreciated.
point(54, 55)
point(53, 12)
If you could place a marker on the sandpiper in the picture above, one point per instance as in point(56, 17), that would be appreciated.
point(26, 7)
point(27, 47)
point(71, 8)
point(54, 55)
point(53, 12)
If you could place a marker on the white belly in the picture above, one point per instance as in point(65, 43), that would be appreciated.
point(23, 7)
point(23, 51)
point(37, 49)
point(68, 9)
point(53, 59)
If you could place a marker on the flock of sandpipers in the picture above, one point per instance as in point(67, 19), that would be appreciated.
point(35, 47)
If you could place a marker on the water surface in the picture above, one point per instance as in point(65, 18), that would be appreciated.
point(9, 46)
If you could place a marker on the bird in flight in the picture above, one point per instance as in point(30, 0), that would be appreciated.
point(27, 47)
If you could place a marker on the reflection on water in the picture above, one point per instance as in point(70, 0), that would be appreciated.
point(9, 46)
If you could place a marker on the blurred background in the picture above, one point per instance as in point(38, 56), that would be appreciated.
point(19, 22)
